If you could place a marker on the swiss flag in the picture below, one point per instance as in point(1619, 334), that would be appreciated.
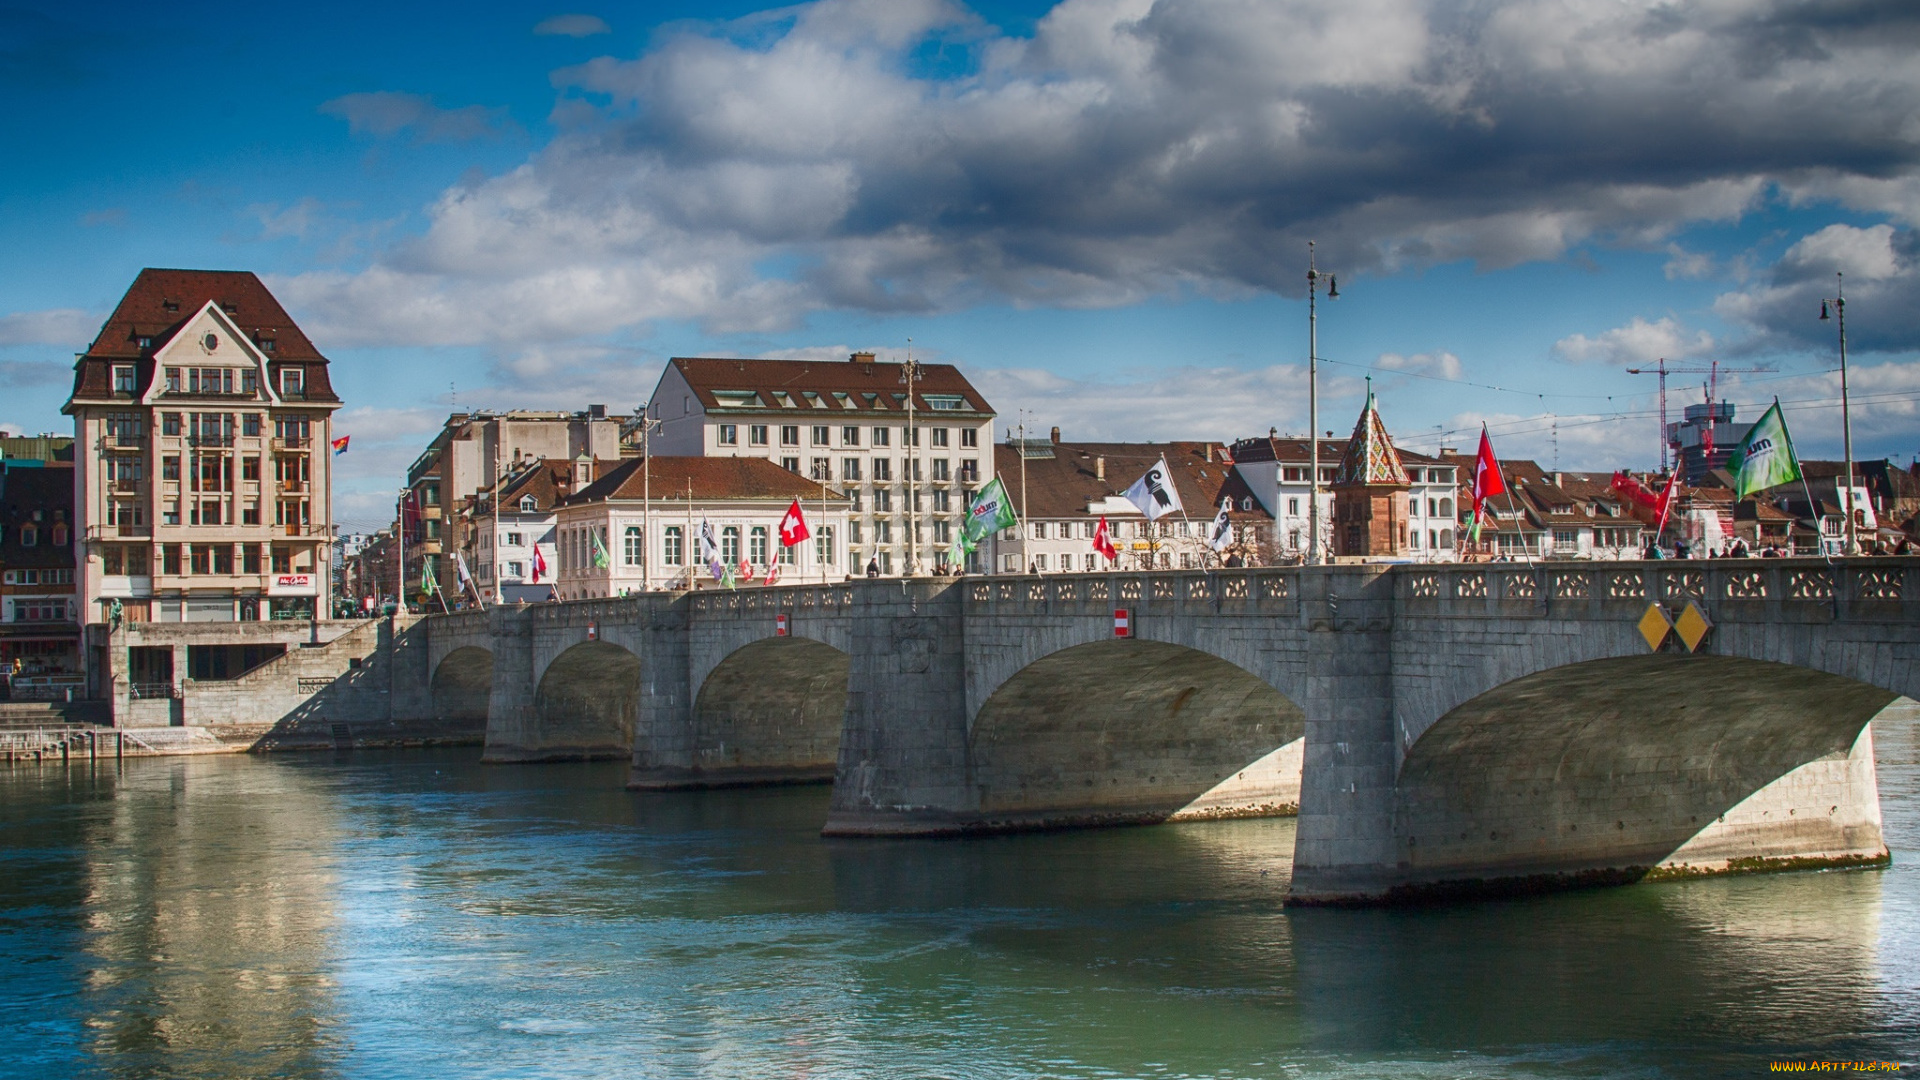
point(1103, 542)
point(1487, 481)
point(793, 527)
point(539, 564)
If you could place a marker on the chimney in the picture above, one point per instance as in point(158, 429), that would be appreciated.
point(1100, 468)
point(1556, 479)
point(1056, 436)
point(1446, 451)
point(582, 472)
point(596, 412)
point(861, 358)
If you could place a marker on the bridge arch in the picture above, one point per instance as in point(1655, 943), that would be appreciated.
point(1660, 764)
point(770, 712)
point(588, 699)
point(462, 686)
point(1128, 731)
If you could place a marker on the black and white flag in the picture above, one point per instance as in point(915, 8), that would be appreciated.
point(1221, 534)
point(1154, 493)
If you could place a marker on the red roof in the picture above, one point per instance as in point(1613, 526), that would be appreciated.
point(712, 479)
point(159, 303)
point(869, 386)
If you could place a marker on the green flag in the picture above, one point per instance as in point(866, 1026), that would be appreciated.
point(600, 557)
point(989, 510)
point(427, 583)
point(1765, 457)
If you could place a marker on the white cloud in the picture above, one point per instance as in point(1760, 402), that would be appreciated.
point(53, 326)
point(573, 26)
point(1882, 267)
point(1638, 342)
point(383, 114)
point(1180, 403)
point(747, 174)
point(1440, 365)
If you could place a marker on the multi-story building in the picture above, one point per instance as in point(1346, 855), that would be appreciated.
point(1554, 515)
point(39, 612)
point(1277, 470)
point(471, 453)
point(906, 463)
point(1061, 490)
point(45, 448)
point(507, 545)
point(202, 482)
point(637, 527)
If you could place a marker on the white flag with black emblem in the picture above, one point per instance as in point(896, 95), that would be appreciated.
point(1221, 534)
point(1154, 493)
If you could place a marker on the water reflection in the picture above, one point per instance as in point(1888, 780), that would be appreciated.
point(418, 914)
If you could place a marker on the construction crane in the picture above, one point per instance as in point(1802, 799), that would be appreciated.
point(1712, 371)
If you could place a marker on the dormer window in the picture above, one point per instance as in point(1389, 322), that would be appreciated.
point(170, 305)
point(143, 342)
point(529, 503)
point(268, 345)
point(123, 379)
point(292, 382)
point(231, 309)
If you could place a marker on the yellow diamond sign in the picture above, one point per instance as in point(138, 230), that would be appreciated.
point(1693, 626)
point(1654, 626)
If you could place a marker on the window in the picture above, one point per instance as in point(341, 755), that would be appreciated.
point(850, 468)
point(820, 469)
point(944, 402)
point(969, 437)
point(670, 549)
point(726, 434)
point(909, 437)
point(819, 433)
point(210, 380)
point(516, 569)
point(757, 545)
point(632, 546)
point(791, 464)
point(849, 436)
point(940, 473)
point(1246, 502)
point(250, 514)
point(1039, 530)
point(790, 435)
point(249, 468)
point(143, 343)
point(292, 431)
point(292, 382)
point(269, 345)
point(123, 429)
point(853, 501)
point(1010, 563)
point(730, 545)
point(171, 515)
point(1293, 507)
point(969, 470)
point(123, 379)
point(170, 423)
point(515, 539)
point(1446, 508)
point(123, 472)
point(29, 535)
point(882, 470)
point(756, 435)
point(942, 502)
point(283, 560)
point(854, 532)
point(529, 504)
point(1039, 562)
point(250, 424)
point(882, 436)
point(886, 562)
point(882, 501)
point(883, 532)
point(786, 554)
point(939, 436)
point(943, 532)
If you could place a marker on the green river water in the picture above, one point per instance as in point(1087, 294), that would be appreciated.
point(417, 914)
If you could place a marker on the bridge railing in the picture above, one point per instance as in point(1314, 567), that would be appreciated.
point(1799, 589)
point(1266, 590)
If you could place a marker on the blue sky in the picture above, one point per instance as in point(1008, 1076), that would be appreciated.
point(1099, 208)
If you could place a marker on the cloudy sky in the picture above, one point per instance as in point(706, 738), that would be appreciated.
point(1100, 209)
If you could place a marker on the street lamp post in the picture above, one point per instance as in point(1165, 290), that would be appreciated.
point(1314, 553)
point(1846, 419)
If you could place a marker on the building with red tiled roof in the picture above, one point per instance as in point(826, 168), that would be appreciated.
point(203, 482)
point(1061, 490)
point(637, 526)
point(845, 424)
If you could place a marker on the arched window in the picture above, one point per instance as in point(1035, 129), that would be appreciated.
point(1446, 538)
point(632, 546)
point(757, 545)
point(1246, 502)
point(730, 545)
point(1446, 508)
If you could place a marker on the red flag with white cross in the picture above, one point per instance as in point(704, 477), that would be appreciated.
point(1103, 542)
point(793, 527)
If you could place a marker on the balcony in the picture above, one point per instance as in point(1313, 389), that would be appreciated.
point(210, 440)
point(295, 442)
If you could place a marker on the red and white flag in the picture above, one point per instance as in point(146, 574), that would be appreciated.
point(539, 564)
point(1666, 499)
point(793, 527)
point(1487, 481)
point(1103, 541)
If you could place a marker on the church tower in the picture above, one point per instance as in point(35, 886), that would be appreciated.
point(1370, 491)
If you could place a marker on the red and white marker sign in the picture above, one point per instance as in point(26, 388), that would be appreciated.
point(780, 624)
point(1122, 623)
point(593, 631)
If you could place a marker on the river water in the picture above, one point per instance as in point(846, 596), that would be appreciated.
point(416, 914)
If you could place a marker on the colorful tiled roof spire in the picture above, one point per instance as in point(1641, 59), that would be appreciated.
point(1371, 458)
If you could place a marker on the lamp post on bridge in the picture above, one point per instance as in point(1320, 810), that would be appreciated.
point(1314, 554)
point(1839, 303)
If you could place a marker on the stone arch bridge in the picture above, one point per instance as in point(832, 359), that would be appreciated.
point(1437, 728)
